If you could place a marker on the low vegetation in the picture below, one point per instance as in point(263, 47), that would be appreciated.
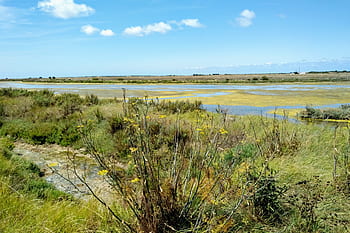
point(327, 76)
point(173, 168)
point(341, 113)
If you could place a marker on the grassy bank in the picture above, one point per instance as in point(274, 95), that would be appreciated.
point(331, 76)
point(177, 168)
point(30, 204)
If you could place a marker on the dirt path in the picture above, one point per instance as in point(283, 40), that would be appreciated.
point(61, 175)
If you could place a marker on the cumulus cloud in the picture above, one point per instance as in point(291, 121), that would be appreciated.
point(246, 18)
point(89, 30)
point(160, 27)
point(107, 32)
point(65, 9)
point(134, 31)
point(191, 23)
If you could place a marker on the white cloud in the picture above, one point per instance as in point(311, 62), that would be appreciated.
point(191, 23)
point(65, 9)
point(246, 18)
point(133, 31)
point(160, 27)
point(107, 32)
point(89, 30)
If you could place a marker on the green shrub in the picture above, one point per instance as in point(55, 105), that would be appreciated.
point(267, 199)
point(91, 100)
point(16, 129)
point(43, 98)
point(10, 92)
point(70, 103)
point(341, 113)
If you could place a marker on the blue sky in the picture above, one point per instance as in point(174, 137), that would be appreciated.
point(129, 37)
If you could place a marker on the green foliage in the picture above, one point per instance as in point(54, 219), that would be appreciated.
point(241, 152)
point(341, 113)
point(16, 129)
point(43, 98)
point(177, 106)
point(91, 100)
point(116, 123)
point(69, 103)
point(6, 146)
point(306, 199)
point(267, 199)
point(10, 92)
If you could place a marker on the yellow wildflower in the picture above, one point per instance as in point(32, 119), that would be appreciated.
point(214, 202)
point(133, 149)
point(162, 116)
point(102, 172)
point(223, 131)
point(135, 180)
point(80, 126)
point(55, 164)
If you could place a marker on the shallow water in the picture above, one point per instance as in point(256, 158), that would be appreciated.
point(260, 111)
point(188, 91)
point(173, 87)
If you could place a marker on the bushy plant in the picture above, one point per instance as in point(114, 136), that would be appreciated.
point(69, 103)
point(341, 113)
point(176, 178)
point(43, 98)
point(91, 100)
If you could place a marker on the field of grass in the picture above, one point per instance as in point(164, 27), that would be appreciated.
point(175, 168)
